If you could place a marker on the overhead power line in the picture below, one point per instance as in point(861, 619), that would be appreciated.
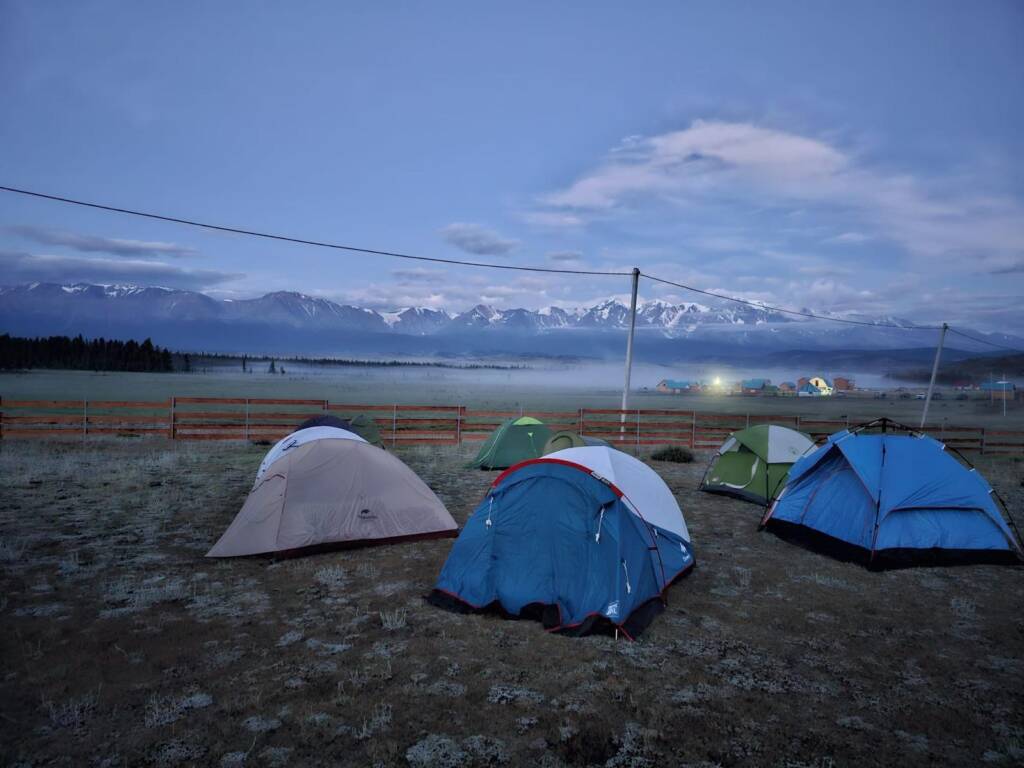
point(480, 264)
point(986, 341)
point(304, 241)
point(759, 305)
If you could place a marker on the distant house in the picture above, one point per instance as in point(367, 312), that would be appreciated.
point(843, 384)
point(824, 385)
point(677, 386)
point(755, 386)
point(808, 390)
point(801, 381)
point(999, 390)
point(787, 388)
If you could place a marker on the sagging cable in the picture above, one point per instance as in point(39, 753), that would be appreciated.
point(490, 506)
point(597, 537)
point(625, 570)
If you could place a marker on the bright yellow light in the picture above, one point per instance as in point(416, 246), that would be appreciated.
point(718, 381)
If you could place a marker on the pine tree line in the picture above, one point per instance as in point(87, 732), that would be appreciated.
point(83, 354)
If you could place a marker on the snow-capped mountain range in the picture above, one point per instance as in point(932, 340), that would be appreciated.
point(296, 322)
point(298, 309)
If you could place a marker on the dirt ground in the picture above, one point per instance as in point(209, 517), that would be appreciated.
point(121, 645)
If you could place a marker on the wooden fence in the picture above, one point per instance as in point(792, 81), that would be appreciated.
point(269, 419)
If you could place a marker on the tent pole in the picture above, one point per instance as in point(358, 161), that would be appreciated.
point(935, 370)
point(629, 349)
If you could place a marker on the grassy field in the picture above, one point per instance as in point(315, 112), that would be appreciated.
point(486, 389)
point(122, 645)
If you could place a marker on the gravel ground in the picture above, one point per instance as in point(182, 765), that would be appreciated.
point(121, 645)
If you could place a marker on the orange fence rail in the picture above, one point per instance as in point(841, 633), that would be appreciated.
point(269, 419)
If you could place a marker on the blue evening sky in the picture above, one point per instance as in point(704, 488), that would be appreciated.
point(850, 157)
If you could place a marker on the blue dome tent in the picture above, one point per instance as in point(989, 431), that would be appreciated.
point(585, 540)
point(892, 500)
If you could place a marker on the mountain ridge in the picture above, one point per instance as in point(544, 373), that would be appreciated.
point(293, 321)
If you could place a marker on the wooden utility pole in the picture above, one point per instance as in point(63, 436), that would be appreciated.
point(935, 371)
point(629, 349)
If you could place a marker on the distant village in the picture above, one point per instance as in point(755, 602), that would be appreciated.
point(815, 386)
point(808, 386)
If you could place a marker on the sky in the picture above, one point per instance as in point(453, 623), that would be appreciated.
point(858, 158)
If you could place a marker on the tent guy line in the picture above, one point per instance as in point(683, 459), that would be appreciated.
point(460, 262)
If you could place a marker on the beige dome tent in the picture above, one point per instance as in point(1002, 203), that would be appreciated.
point(333, 489)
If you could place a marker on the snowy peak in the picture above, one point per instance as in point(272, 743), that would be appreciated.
point(416, 320)
point(611, 313)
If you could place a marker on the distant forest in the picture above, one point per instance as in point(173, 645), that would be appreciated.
point(84, 355)
point(78, 353)
point(974, 370)
point(247, 362)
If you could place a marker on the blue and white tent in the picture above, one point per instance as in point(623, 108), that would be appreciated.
point(891, 500)
point(584, 539)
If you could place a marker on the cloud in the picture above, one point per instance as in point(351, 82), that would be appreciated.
point(692, 158)
point(553, 220)
point(1015, 266)
point(112, 245)
point(24, 267)
point(753, 168)
point(565, 256)
point(478, 240)
point(419, 275)
point(850, 238)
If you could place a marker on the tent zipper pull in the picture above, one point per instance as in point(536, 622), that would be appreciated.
point(626, 571)
point(490, 506)
point(600, 520)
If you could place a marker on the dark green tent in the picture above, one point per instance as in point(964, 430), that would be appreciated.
point(514, 441)
point(360, 424)
point(366, 427)
point(566, 439)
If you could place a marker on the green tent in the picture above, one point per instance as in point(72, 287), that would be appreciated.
point(566, 439)
point(753, 464)
point(514, 441)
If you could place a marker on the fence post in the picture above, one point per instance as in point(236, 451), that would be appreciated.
point(246, 418)
point(579, 423)
point(1, 417)
point(637, 431)
point(748, 421)
point(85, 418)
point(982, 441)
point(173, 432)
point(394, 424)
point(693, 430)
point(458, 425)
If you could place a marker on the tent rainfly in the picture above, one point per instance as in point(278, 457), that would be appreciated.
point(325, 486)
point(585, 540)
point(892, 500)
point(513, 441)
point(752, 464)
